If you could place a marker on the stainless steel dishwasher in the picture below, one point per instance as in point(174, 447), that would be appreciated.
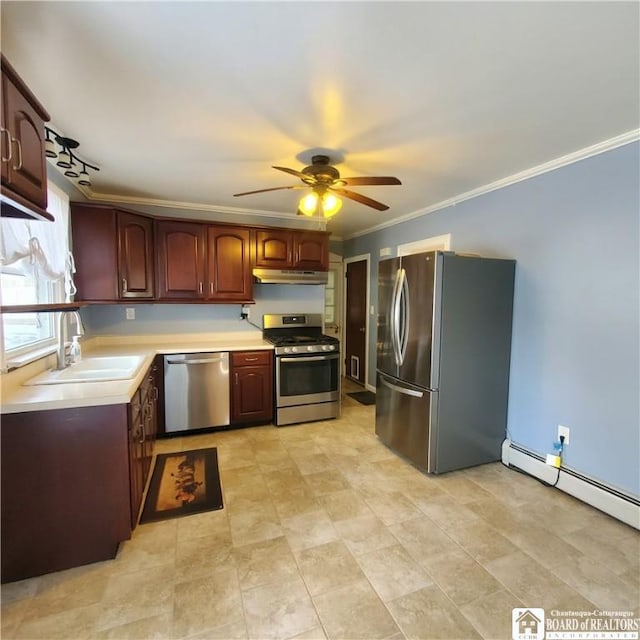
point(196, 387)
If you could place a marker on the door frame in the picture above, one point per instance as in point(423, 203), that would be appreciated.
point(360, 258)
point(435, 243)
point(337, 261)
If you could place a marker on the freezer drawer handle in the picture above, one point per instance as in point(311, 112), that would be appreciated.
point(203, 361)
point(406, 392)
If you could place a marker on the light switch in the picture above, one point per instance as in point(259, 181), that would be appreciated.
point(130, 313)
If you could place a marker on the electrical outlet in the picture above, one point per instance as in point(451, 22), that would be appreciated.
point(563, 431)
point(130, 313)
point(245, 311)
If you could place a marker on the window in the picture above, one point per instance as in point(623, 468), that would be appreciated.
point(34, 269)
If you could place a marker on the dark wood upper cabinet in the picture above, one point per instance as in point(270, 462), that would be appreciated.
point(229, 264)
point(123, 256)
point(24, 170)
point(113, 252)
point(274, 249)
point(95, 251)
point(292, 249)
point(135, 256)
point(311, 250)
point(181, 259)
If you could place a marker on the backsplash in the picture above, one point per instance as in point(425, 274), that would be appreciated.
point(202, 318)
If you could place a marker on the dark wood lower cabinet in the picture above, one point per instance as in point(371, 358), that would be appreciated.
point(142, 433)
point(251, 387)
point(72, 482)
point(65, 489)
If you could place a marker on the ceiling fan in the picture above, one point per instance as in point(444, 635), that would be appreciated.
point(326, 183)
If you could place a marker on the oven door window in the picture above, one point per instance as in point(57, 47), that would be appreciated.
point(313, 378)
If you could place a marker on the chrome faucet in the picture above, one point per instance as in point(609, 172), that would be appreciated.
point(62, 335)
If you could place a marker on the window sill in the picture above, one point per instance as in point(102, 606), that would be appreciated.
point(20, 361)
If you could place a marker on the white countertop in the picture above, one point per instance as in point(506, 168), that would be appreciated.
point(17, 398)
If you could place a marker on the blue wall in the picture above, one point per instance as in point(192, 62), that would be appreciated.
point(575, 352)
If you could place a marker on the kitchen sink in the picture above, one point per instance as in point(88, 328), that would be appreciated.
point(96, 369)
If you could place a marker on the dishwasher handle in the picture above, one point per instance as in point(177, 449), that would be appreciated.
point(198, 361)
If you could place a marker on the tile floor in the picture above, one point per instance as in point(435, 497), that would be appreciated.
point(327, 534)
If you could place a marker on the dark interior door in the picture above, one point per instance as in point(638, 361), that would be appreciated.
point(356, 320)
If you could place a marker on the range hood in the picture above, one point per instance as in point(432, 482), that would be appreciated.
point(290, 276)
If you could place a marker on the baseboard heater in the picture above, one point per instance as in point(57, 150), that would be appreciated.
point(612, 501)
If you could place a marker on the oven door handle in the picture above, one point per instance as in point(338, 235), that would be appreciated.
point(333, 356)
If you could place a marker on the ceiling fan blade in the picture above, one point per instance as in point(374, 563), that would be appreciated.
point(293, 172)
point(358, 197)
point(295, 186)
point(370, 180)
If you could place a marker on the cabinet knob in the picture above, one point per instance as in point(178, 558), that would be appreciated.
point(124, 285)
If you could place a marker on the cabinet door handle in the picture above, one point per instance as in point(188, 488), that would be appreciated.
point(124, 285)
point(142, 432)
point(200, 288)
point(18, 167)
point(250, 359)
point(8, 144)
point(235, 377)
point(211, 287)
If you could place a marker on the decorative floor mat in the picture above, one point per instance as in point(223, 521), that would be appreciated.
point(183, 483)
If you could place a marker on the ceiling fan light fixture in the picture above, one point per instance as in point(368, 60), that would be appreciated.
point(326, 205)
point(330, 205)
point(322, 177)
point(309, 204)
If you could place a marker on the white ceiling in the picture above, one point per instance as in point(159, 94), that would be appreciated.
point(191, 102)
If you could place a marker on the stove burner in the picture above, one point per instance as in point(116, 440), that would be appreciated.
point(303, 336)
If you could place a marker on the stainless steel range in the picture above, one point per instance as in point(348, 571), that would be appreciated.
point(307, 367)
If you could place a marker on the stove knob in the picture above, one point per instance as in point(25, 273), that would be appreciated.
point(294, 349)
point(325, 347)
point(309, 348)
point(332, 347)
point(286, 349)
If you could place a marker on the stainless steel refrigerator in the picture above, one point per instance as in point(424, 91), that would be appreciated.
point(443, 351)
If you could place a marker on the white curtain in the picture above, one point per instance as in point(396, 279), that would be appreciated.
point(41, 249)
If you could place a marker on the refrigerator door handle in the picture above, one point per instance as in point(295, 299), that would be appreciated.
point(395, 317)
point(407, 392)
point(403, 334)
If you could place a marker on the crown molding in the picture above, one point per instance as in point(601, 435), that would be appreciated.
point(552, 165)
point(194, 206)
